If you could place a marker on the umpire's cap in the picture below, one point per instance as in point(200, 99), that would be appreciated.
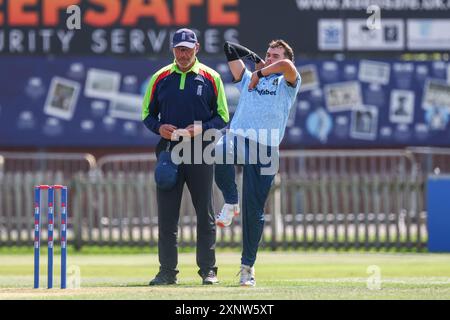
point(166, 172)
point(184, 38)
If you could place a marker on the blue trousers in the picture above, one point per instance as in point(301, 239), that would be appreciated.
point(234, 150)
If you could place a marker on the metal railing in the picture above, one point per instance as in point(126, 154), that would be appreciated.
point(66, 163)
point(2, 164)
point(127, 163)
point(332, 199)
point(431, 160)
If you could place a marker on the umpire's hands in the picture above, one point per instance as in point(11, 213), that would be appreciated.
point(194, 129)
point(166, 131)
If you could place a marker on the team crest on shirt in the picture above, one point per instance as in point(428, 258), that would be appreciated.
point(267, 87)
point(201, 81)
point(199, 90)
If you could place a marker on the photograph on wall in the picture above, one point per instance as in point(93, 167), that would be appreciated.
point(62, 98)
point(310, 78)
point(343, 96)
point(437, 118)
point(364, 122)
point(374, 72)
point(126, 106)
point(319, 124)
point(389, 36)
point(102, 84)
point(330, 34)
point(436, 94)
point(448, 73)
point(401, 107)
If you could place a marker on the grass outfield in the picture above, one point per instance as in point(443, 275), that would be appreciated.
point(289, 275)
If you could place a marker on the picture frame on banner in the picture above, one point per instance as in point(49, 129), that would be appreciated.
point(101, 84)
point(436, 93)
point(389, 37)
point(330, 34)
point(343, 96)
point(62, 98)
point(364, 123)
point(401, 107)
point(374, 72)
point(126, 106)
point(309, 76)
point(428, 34)
point(448, 73)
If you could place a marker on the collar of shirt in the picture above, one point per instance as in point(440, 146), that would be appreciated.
point(195, 68)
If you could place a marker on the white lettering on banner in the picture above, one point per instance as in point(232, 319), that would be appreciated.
point(231, 35)
point(139, 42)
point(15, 41)
point(212, 40)
point(137, 38)
point(157, 41)
point(65, 38)
point(31, 41)
point(358, 5)
point(99, 45)
point(46, 42)
point(117, 41)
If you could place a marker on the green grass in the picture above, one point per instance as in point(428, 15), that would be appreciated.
point(280, 275)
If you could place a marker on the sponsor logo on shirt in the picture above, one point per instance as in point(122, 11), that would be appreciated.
point(266, 92)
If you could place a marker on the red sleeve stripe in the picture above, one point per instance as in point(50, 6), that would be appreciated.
point(210, 78)
point(160, 77)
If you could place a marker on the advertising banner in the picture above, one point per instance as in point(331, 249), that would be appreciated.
point(48, 101)
point(144, 28)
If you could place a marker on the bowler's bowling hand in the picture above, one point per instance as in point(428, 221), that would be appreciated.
point(194, 129)
point(253, 81)
point(166, 131)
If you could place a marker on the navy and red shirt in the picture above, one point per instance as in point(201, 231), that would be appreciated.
point(180, 98)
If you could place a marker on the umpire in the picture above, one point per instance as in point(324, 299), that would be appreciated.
point(179, 94)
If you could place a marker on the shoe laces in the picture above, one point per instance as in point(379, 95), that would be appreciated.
point(244, 271)
point(210, 273)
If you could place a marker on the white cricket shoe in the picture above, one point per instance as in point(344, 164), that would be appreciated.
point(247, 276)
point(225, 217)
